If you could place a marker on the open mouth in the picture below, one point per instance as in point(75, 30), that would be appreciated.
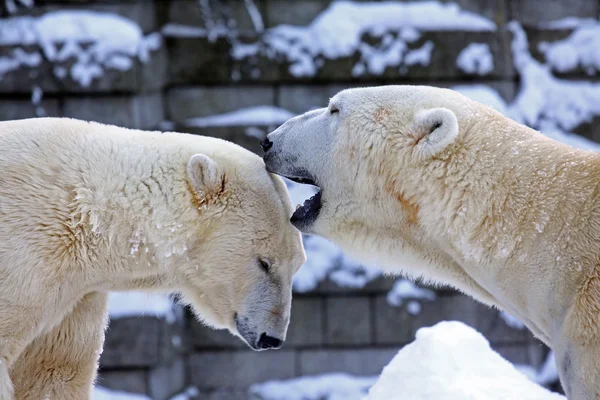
point(306, 214)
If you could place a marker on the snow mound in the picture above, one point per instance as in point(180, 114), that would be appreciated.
point(329, 386)
point(131, 304)
point(257, 115)
point(338, 31)
point(452, 361)
point(97, 41)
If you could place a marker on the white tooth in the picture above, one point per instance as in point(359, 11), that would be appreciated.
point(298, 206)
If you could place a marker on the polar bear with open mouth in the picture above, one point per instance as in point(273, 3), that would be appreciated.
point(424, 181)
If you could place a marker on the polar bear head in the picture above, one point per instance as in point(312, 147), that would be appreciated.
point(365, 152)
point(245, 252)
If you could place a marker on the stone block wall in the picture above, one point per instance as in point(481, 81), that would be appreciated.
point(194, 73)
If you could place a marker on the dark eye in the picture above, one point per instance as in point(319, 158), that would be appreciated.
point(265, 265)
point(334, 110)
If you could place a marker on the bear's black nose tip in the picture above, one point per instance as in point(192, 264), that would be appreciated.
point(266, 144)
point(268, 342)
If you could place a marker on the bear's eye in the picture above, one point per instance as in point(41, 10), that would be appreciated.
point(333, 110)
point(265, 265)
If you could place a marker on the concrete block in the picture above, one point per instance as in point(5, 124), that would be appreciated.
point(291, 12)
point(533, 12)
point(231, 13)
point(140, 77)
point(132, 381)
point(395, 325)
point(351, 361)
point(245, 136)
point(190, 102)
point(143, 111)
point(198, 61)
point(239, 369)
point(11, 109)
point(348, 321)
point(203, 337)
point(306, 323)
point(167, 380)
point(533, 354)
point(132, 343)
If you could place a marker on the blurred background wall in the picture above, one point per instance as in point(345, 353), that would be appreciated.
point(235, 70)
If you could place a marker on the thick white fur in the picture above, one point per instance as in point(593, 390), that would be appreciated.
point(480, 203)
point(87, 208)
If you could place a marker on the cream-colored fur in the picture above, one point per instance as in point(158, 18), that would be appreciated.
point(424, 181)
point(87, 208)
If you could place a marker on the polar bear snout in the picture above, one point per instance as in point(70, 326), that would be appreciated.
point(268, 342)
point(257, 340)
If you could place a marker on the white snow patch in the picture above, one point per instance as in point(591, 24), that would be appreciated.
point(101, 393)
point(336, 386)
point(338, 31)
point(483, 94)
point(452, 361)
point(128, 304)
point(19, 58)
point(580, 49)
point(257, 115)
point(93, 39)
point(568, 23)
point(404, 289)
point(511, 321)
point(476, 58)
point(183, 31)
point(188, 394)
point(546, 103)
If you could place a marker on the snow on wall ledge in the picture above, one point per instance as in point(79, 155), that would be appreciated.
point(338, 30)
point(97, 41)
point(452, 361)
point(133, 304)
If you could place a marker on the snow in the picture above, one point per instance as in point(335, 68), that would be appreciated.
point(131, 304)
point(101, 393)
point(257, 115)
point(449, 361)
point(452, 361)
point(183, 31)
point(189, 394)
point(483, 94)
point(338, 31)
point(336, 386)
point(96, 40)
point(511, 321)
point(404, 289)
point(547, 103)
point(580, 49)
point(476, 59)
point(568, 23)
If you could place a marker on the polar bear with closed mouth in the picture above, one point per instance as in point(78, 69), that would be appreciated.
point(424, 181)
point(87, 208)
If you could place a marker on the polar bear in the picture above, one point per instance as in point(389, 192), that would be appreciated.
point(423, 181)
point(87, 208)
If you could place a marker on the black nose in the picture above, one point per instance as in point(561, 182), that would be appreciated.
point(266, 144)
point(268, 342)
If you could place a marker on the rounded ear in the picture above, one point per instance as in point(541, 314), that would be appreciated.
point(204, 175)
point(436, 128)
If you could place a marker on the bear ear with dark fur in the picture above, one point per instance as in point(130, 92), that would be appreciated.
point(436, 128)
point(204, 176)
